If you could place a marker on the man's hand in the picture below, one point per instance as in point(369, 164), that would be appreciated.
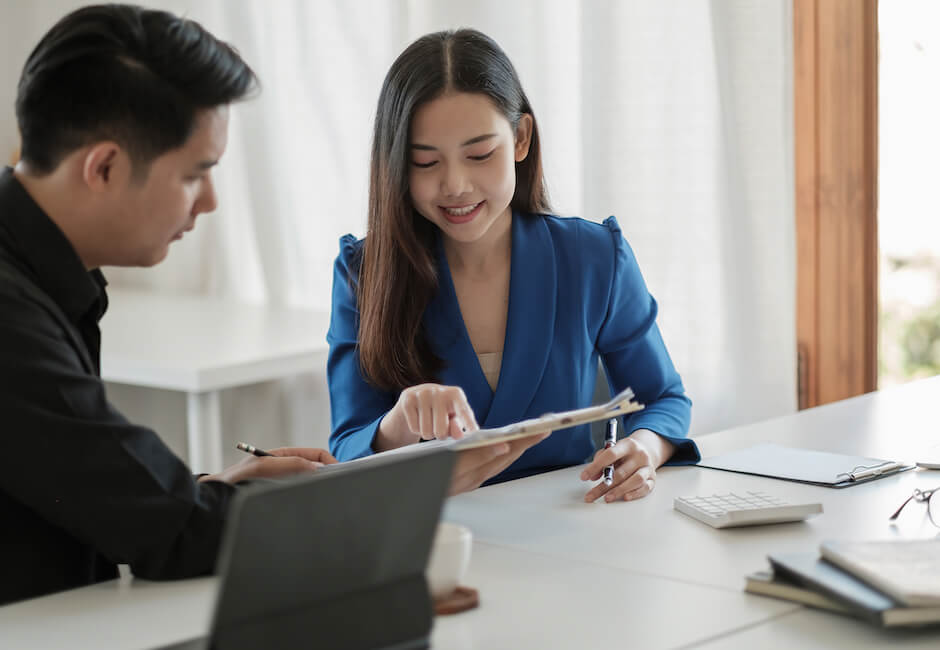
point(283, 461)
point(474, 466)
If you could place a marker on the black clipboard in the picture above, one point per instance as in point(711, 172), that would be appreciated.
point(804, 465)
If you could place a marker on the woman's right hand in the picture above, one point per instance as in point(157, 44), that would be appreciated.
point(425, 412)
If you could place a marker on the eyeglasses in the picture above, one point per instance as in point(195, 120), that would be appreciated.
point(933, 505)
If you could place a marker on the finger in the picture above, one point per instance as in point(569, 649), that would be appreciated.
point(462, 417)
point(625, 451)
point(641, 491)
point(595, 469)
point(622, 474)
point(456, 428)
point(638, 481)
point(602, 488)
point(473, 466)
point(468, 459)
point(604, 457)
point(321, 456)
point(462, 409)
point(440, 412)
point(425, 421)
point(410, 410)
point(286, 465)
point(475, 478)
point(616, 455)
point(516, 449)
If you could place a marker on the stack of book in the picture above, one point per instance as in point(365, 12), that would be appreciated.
point(890, 583)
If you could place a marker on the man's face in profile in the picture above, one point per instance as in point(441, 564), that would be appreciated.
point(155, 210)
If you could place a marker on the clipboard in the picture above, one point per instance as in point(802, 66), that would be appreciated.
point(620, 404)
point(804, 465)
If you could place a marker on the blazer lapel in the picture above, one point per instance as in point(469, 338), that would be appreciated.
point(451, 342)
point(530, 323)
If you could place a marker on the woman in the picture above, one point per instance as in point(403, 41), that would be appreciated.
point(467, 302)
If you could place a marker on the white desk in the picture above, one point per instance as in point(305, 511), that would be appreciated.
point(200, 346)
point(554, 572)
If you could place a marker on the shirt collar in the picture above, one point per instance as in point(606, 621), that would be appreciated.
point(36, 245)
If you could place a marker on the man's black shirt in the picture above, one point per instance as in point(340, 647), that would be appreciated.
point(81, 488)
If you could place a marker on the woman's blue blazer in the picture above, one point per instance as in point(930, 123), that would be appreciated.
point(575, 294)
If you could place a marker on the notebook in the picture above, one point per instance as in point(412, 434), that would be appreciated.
point(335, 559)
point(804, 465)
point(810, 580)
point(906, 570)
point(774, 585)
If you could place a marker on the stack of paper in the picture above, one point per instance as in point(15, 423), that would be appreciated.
point(890, 583)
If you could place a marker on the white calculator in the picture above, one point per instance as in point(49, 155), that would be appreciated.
point(744, 509)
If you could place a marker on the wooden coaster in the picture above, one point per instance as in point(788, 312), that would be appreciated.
point(459, 600)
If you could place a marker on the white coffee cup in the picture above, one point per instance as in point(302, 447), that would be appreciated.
point(450, 557)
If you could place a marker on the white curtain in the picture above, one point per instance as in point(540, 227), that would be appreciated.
point(673, 115)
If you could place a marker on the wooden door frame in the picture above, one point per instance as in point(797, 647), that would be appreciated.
point(835, 99)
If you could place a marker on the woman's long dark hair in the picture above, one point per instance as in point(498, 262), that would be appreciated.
point(398, 274)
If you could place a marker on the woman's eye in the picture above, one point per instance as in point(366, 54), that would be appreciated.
point(423, 165)
point(482, 157)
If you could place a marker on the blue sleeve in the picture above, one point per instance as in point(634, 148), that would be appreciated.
point(635, 355)
point(356, 407)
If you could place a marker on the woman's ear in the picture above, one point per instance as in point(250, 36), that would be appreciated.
point(523, 137)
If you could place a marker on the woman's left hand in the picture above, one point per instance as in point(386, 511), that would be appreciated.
point(635, 459)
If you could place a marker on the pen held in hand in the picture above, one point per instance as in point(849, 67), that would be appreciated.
point(610, 439)
point(251, 449)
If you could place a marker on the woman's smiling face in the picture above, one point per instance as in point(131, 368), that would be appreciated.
point(462, 172)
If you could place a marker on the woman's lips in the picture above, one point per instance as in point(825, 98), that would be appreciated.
point(462, 214)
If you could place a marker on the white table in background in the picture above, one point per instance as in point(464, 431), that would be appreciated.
point(554, 572)
point(200, 346)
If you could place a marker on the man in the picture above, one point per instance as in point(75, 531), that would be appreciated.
point(123, 114)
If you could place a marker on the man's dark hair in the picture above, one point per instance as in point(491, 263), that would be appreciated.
point(123, 73)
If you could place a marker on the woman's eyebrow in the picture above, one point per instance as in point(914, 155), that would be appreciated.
point(479, 138)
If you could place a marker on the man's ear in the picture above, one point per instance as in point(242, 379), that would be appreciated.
point(523, 137)
point(104, 166)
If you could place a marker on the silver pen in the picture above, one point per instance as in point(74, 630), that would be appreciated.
point(610, 438)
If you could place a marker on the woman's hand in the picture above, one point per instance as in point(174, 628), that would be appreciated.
point(635, 460)
point(476, 465)
point(424, 412)
point(283, 461)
